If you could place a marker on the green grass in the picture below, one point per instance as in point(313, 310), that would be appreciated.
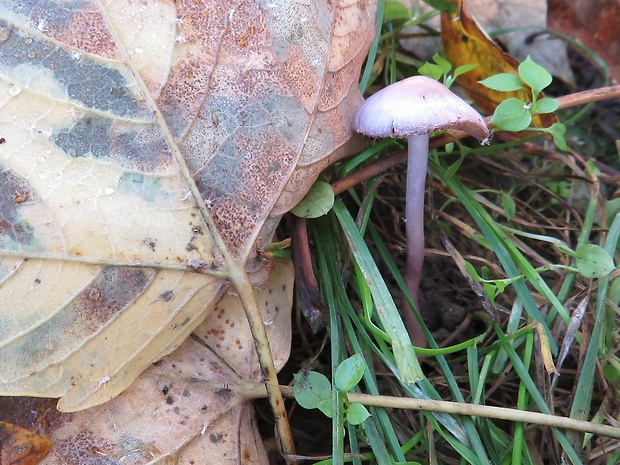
point(506, 362)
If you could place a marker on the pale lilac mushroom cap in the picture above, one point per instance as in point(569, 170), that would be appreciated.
point(413, 108)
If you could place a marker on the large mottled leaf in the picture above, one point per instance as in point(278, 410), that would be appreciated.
point(191, 406)
point(147, 149)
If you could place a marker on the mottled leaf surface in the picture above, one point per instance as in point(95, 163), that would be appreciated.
point(191, 407)
point(147, 149)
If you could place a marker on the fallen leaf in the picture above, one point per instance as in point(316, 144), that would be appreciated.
point(18, 446)
point(593, 24)
point(466, 43)
point(524, 23)
point(150, 148)
point(193, 406)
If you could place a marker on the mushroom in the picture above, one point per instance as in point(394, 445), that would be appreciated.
point(413, 108)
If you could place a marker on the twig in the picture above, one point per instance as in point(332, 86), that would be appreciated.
point(307, 288)
point(486, 411)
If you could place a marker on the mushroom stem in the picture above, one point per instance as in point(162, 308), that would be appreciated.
point(414, 226)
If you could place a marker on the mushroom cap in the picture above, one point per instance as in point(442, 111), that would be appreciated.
point(416, 106)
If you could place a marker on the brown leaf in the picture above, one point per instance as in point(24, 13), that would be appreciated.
point(594, 24)
point(18, 446)
point(150, 147)
point(523, 24)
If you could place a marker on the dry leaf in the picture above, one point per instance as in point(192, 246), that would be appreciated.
point(466, 43)
point(18, 446)
point(524, 22)
point(594, 24)
point(149, 148)
point(194, 403)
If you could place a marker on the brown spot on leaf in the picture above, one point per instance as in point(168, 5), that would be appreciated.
point(15, 191)
point(114, 290)
point(166, 296)
point(84, 448)
point(216, 437)
point(21, 197)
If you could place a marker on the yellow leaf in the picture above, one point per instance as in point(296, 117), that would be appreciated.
point(18, 446)
point(545, 349)
point(466, 43)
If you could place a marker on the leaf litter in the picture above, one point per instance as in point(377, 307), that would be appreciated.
point(149, 149)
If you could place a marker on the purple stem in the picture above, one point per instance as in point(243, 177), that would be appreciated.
point(414, 226)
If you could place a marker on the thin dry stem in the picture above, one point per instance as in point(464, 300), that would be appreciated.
point(265, 358)
point(486, 411)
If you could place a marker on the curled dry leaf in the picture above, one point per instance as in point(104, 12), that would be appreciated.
point(18, 446)
point(465, 42)
point(149, 148)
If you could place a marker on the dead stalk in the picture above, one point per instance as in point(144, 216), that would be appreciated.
point(486, 411)
point(243, 286)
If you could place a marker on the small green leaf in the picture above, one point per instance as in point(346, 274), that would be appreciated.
point(431, 70)
point(317, 202)
point(327, 407)
point(356, 413)
point(534, 75)
point(491, 291)
point(442, 62)
point(508, 204)
point(464, 69)
point(612, 375)
point(436, 70)
point(511, 115)
point(446, 6)
point(546, 105)
point(557, 131)
point(593, 261)
point(349, 373)
point(472, 272)
point(311, 388)
point(503, 82)
point(395, 10)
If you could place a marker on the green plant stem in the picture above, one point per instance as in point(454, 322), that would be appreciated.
point(522, 400)
point(406, 360)
point(372, 52)
point(486, 411)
